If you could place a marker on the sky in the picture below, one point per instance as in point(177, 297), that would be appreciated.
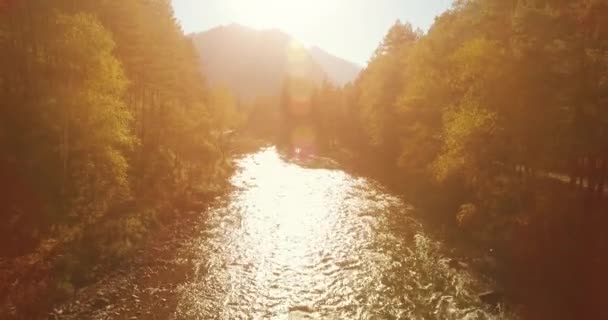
point(350, 29)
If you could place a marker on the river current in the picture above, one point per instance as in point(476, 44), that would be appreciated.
point(294, 242)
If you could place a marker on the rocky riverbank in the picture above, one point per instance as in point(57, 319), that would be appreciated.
point(145, 286)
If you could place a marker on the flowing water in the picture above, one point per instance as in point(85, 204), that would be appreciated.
point(299, 243)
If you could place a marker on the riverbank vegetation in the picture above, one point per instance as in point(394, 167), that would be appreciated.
point(494, 123)
point(107, 130)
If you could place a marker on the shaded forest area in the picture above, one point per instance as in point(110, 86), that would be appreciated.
point(495, 124)
point(107, 132)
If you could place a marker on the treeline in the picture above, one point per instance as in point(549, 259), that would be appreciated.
point(495, 123)
point(106, 128)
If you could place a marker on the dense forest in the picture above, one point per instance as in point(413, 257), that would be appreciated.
point(494, 123)
point(106, 127)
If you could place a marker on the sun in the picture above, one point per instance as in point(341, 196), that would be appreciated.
point(284, 14)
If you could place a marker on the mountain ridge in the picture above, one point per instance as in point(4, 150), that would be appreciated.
point(253, 63)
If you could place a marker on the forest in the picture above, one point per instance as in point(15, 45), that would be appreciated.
point(107, 127)
point(493, 123)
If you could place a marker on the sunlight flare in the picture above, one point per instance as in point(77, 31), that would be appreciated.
point(290, 13)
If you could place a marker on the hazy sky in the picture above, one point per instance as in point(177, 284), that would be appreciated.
point(351, 29)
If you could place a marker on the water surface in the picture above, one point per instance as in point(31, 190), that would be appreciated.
point(299, 243)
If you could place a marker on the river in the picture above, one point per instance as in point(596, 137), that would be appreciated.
point(292, 242)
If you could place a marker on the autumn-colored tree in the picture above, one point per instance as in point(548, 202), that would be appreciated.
point(494, 122)
point(106, 124)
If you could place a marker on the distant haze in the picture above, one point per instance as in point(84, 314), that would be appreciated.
point(337, 70)
point(253, 63)
point(350, 29)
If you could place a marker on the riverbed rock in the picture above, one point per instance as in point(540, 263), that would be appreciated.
point(492, 298)
point(100, 302)
point(457, 264)
point(302, 308)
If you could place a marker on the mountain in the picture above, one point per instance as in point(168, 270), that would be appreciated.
point(338, 70)
point(254, 63)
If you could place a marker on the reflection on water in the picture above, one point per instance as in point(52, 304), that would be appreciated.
point(297, 243)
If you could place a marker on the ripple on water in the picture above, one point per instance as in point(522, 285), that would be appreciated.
point(298, 243)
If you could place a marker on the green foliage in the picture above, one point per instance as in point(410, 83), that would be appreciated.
point(493, 122)
point(382, 82)
point(105, 122)
point(96, 122)
point(467, 133)
point(494, 96)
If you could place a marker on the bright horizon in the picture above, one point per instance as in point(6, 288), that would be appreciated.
point(350, 29)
